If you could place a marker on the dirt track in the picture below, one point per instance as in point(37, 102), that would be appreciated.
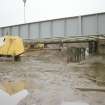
point(50, 80)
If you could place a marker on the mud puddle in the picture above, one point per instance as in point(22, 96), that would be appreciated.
point(12, 93)
point(49, 83)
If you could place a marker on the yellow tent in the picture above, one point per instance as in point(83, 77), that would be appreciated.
point(11, 45)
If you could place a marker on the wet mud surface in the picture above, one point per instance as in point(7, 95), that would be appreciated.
point(50, 80)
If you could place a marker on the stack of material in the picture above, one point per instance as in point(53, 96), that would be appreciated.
point(97, 73)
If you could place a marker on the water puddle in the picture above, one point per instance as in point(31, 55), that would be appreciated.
point(13, 87)
point(6, 99)
point(74, 103)
point(12, 93)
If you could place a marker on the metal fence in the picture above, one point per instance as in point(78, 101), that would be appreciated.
point(93, 24)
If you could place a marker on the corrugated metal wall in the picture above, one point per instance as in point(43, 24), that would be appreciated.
point(89, 25)
point(72, 26)
point(93, 24)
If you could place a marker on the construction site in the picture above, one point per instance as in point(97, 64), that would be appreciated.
point(56, 61)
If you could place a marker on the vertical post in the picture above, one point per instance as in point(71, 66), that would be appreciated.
point(65, 27)
point(24, 14)
point(39, 30)
point(10, 30)
point(19, 28)
point(51, 29)
point(2, 32)
point(28, 25)
point(80, 26)
point(24, 1)
point(97, 24)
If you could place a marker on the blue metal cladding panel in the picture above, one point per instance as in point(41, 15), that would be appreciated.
point(34, 31)
point(82, 25)
point(0, 32)
point(6, 31)
point(45, 29)
point(89, 25)
point(101, 24)
point(24, 31)
point(58, 28)
point(15, 30)
point(72, 26)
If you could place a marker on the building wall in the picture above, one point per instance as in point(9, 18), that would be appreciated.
point(93, 24)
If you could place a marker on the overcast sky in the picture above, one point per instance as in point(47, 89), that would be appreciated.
point(11, 11)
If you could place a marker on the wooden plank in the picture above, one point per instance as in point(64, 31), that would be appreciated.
point(91, 88)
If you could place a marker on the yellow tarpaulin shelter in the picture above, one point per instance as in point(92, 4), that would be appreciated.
point(11, 45)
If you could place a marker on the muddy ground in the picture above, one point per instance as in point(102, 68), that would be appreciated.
point(50, 80)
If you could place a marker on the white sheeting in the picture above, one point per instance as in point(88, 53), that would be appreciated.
point(6, 99)
point(2, 41)
point(74, 103)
